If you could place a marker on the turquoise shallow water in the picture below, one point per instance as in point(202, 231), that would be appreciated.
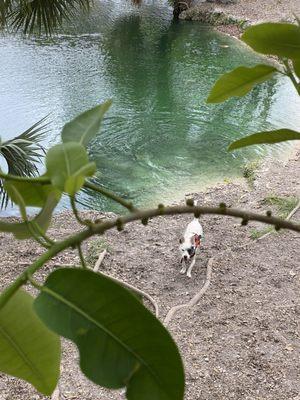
point(159, 139)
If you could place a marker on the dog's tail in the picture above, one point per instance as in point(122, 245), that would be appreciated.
point(201, 234)
point(194, 202)
point(191, 199)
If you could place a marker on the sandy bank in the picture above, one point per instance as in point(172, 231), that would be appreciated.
point(233, 18)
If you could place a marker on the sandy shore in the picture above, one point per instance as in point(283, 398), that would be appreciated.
point(232, 18)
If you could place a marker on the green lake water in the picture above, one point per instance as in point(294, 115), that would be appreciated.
point(159, 140)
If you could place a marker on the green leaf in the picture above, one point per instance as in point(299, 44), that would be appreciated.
point(282, 40)
point(268, 137)
point(239, 82)
point(68, 165)
point(296, 65)
point(86, 125)
point(33, 193)
point(76, 181)
point(22, 230)
point(28, 350)
point(120, 342)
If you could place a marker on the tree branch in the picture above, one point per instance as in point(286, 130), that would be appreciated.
point(100, 228)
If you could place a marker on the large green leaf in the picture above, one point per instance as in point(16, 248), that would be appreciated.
point(22, 230)
point(68, 165)
point(239, 82)
point(28, 349)
point(120, 342)
point(32, 193)
point(282, 40)
point(86, 125)
point(268, 137)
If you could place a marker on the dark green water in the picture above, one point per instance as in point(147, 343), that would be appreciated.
point(159, 140)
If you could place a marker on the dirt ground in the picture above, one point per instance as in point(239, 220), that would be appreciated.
point(242, 341)
point(261, 11)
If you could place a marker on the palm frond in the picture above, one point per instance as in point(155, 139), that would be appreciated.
point(5, 10)
point(40, 15)
point(23, 153)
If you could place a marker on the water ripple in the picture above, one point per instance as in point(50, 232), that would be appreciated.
point(159, 139)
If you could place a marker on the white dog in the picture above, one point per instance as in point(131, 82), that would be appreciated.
point(189, 245)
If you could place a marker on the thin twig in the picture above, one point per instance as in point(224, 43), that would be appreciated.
point(127, 285)
point(196, 298)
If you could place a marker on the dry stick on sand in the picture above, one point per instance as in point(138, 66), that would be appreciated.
point(196, 298)
point(294, 210)
point(99, 261)
point(127, 285)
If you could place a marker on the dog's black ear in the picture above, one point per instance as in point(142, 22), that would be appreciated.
point(181, 240)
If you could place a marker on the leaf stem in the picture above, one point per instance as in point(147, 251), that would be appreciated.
point(34, 282)
point(43, 180)
point(110, 195)
point(38, 229)
point(291, 75)
point(76, 212)
point(35, 236)
point(32, 227)
point(82, 260)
